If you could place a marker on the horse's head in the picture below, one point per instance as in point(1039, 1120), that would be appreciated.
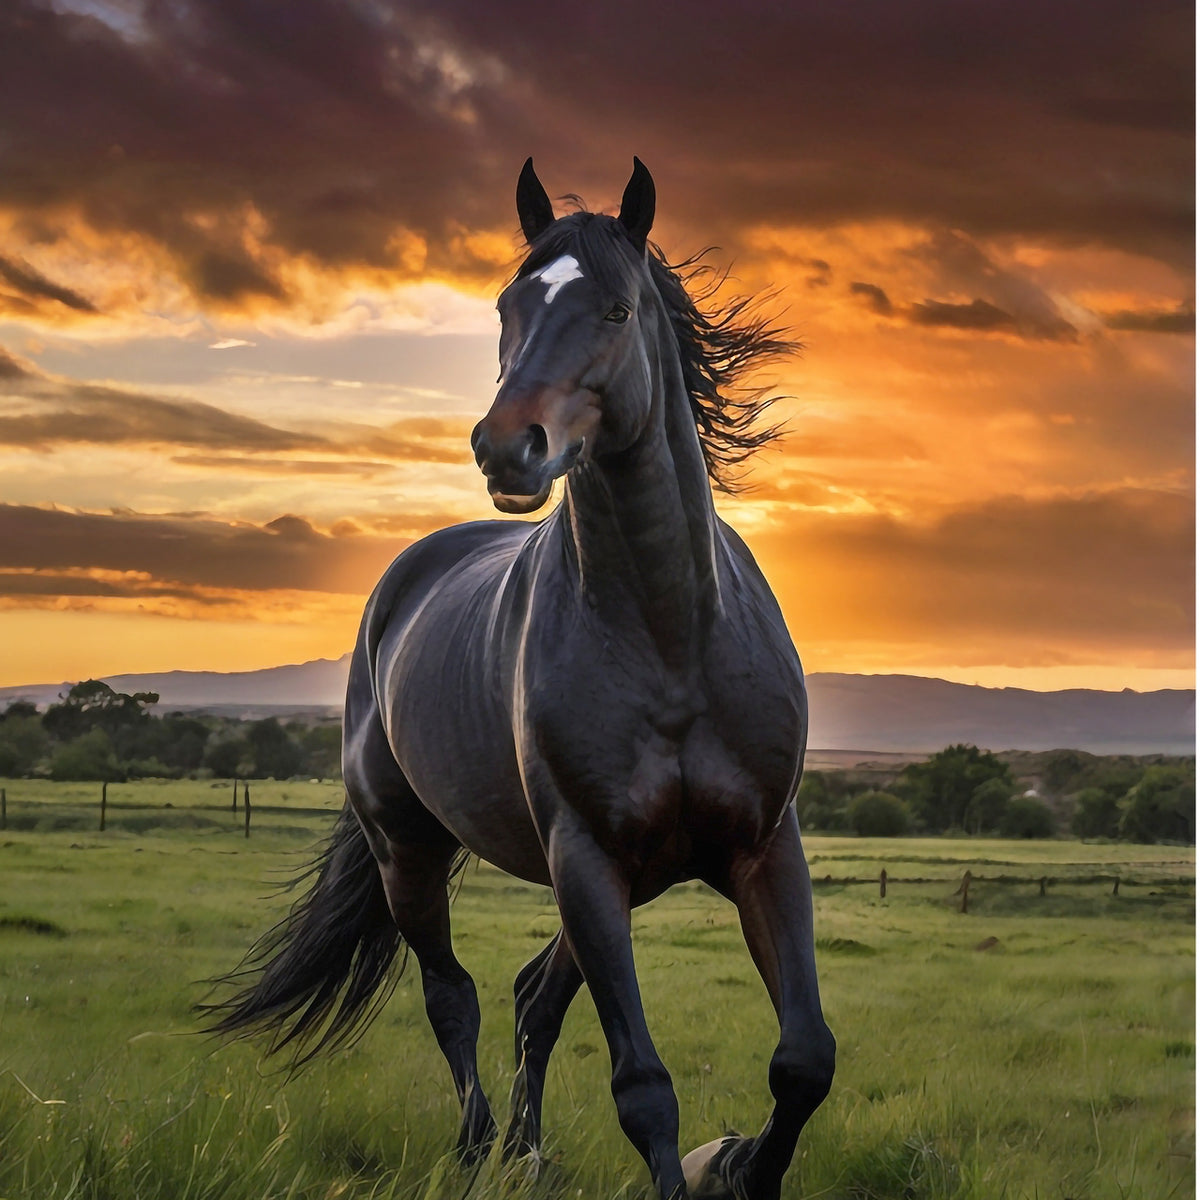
point(574, 369)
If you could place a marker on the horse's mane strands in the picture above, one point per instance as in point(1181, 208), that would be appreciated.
point(718, 347)
point(719, 344)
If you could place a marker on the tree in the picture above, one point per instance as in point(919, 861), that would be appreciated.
point(322, 748)
point(1097, 814)
point(1062, 768)
point(89, 756)
point(227, 757)
point(988, 802)
point(1162, 807)
point(1027, 817)
point(93, 704)
point(22, 743)
point(819, 801)
point(275, 755)
point(939, 791)
point(878, 814)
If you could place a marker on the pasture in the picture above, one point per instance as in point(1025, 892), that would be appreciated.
point(1037, 1046)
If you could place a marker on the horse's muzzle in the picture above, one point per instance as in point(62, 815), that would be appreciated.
point(525, 443)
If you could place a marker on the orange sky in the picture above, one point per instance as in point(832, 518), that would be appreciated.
point(248, 263)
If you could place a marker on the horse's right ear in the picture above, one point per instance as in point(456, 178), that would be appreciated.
point(533, 205)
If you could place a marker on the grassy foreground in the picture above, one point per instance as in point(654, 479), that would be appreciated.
point(1038, 1046)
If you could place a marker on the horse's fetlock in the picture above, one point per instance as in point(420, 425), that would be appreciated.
point(804, 1071)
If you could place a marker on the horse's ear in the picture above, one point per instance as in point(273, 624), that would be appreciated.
point(533, 205)
point(637, 204)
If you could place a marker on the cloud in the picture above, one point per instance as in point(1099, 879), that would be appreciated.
point(10, 367)
point(1174, 320)
point(189, 551)
point(386, 136)
point(55, 411)
point(282, 466)
point(978, 315)
point(875, 297)
point(1005, 300)
point(33, 284)
point(1108, 570)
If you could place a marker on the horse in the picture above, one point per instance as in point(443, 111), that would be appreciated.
point(606, 701)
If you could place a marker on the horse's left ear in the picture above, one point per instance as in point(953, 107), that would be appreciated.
point(533, 205)
point(637, 204)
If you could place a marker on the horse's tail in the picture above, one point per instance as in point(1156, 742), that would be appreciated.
point(317, 979)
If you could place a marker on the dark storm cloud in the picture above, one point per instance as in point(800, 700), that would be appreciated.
point(1004, 301)
point(185, 551)
point(874, 296)
point(338, 123)
point(1176, 320)
point(34, 284)
point(978, 315)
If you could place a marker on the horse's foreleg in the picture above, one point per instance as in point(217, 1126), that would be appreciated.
point(543, 992)
point(593, 898)
point(774, 898)
point(415, 882)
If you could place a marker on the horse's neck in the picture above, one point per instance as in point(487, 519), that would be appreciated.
point(643, 523)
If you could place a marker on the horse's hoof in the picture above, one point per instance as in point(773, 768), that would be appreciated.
point(702, 1182)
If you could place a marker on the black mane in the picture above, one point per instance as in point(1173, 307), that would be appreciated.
point(718, 345)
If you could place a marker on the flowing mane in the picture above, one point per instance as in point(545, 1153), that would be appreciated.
point(719, 344)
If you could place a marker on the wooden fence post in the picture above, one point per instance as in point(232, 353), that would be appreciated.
point(103, 803)
point(1116, 885)
point(883, 884)
point(235, 783)
point(246, 799)
point(964, 889)
point(1042, 886)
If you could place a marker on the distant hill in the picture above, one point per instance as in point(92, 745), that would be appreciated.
point(910, 713)
point(906, 714)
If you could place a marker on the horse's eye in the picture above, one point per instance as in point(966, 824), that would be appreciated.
point(618, 314)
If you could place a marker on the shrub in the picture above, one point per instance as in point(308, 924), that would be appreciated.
point(878, 814)
point(940, 790)
point(988, 802)
point(1162, 807)
point(819, 802)
point(1096, 815)
point(89, 756)
point(1027, 817)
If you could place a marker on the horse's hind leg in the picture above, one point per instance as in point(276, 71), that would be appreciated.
point(774, 899)
point(543, 992)
point(415, 879)
point(415, 853)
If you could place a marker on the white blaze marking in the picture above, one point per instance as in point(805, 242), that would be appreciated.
point(554, 275)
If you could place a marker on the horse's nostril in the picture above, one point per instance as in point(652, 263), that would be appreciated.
point(536, 446)
point(479, 443)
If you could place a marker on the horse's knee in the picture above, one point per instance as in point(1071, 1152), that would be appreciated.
point(803, 1072)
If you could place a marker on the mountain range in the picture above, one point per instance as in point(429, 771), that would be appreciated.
point(894, 713)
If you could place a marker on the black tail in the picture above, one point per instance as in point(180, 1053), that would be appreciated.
point(318, 978)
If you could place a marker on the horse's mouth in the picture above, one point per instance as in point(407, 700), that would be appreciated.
point(508, 502)
point(527, 502)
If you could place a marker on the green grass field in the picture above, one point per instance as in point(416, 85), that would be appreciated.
point(1038, 1046)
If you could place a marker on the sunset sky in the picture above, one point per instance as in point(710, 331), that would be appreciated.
point(250, 249)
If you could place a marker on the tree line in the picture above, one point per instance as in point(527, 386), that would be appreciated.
point(963, 789)
point(96, 733)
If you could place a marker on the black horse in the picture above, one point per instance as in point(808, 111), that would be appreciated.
point(606, 701)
